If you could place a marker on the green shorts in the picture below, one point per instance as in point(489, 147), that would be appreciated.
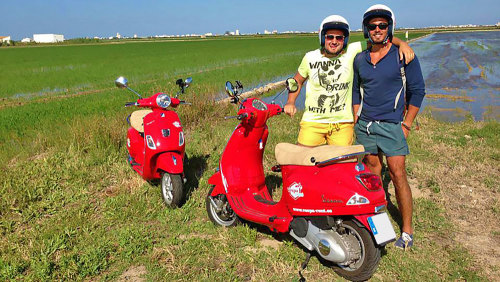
point(381, 136)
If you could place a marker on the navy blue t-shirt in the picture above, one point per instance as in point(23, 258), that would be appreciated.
point(381, 84)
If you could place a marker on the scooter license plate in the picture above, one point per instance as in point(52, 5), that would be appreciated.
point(382, 228)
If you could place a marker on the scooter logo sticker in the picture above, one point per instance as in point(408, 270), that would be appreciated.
point(295, 190)
point(177, 124)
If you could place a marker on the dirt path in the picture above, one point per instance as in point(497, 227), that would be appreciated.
point(471, 205)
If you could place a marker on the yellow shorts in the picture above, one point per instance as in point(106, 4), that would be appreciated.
point(315, 133)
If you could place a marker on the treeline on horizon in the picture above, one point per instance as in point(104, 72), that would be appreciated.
point(87, 40)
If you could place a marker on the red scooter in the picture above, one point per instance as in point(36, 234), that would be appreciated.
point(155, 141)
point(331, 203)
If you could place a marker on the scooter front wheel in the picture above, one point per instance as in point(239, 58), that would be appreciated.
point(368, 254)
point(219, 211)
point(171, 189)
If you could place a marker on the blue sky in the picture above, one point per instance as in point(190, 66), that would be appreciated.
point(81, 18)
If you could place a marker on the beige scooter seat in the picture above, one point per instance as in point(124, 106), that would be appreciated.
point(137, 119)
point(290, 154)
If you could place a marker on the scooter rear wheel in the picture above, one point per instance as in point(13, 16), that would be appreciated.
point(219, 211)
point(364, 267)
point(171, 189)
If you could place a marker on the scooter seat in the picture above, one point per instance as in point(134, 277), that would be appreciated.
point(290, 154)
point(137, 119)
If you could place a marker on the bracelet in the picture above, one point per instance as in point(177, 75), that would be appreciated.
point(406, 126)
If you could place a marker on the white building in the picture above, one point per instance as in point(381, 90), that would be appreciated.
point(237, 32)
point(48, 38)
point(26, 40)
point(5, 39)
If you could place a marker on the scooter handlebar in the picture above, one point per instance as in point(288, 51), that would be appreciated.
point(238, 117)
point(274, 109)
point(129, 104)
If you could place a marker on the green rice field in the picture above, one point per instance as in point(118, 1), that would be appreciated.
point(72, 209)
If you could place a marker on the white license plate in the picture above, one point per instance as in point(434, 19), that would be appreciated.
point(381, 228)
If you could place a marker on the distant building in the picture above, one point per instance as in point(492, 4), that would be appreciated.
point(118, 35)
point(5, 39)
point(27, 40)
point(266, 31)
point(48, 38)
point(498, 24)
point(237, 32)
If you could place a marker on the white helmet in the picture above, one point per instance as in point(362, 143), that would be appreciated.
point(333, 22)
point(382, 11)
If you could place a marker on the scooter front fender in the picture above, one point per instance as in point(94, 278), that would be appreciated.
point(170, 162)
point(216, 180)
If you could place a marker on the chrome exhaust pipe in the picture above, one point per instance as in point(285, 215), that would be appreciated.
point(327, 243)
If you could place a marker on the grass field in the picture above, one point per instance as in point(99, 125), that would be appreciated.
point(71, 208)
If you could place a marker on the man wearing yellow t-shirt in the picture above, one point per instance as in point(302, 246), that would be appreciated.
point(328, 116)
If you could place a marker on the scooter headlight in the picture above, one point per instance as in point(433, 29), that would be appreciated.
point(163, 100)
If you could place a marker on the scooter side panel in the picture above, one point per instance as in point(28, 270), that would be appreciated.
point(135, 145)
point(314, 191)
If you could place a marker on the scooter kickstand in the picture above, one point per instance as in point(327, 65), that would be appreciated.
point(303, 266)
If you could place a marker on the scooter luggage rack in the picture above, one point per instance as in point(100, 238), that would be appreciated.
point(358, 155)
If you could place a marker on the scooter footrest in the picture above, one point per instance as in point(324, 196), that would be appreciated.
point(261, 199)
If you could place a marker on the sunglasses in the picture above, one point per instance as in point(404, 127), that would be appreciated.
point(382, 26)
point(338, 37)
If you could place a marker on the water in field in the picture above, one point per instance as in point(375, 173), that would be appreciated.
point(461, 72)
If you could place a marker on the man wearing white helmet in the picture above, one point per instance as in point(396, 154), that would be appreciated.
point(387, 95)
point(328, 116)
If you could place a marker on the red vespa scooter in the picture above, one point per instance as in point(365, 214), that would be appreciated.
point(155, 141)
point(331, 203)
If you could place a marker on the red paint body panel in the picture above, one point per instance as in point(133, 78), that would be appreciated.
point(307, 190)
point(157, 157)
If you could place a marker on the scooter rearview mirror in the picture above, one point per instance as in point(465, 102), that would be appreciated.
point(292, 84)
point(188, 81)
point(230, 89)
point(121, 82)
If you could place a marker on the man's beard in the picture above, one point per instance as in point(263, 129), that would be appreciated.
point(382, 41)
point(332, 53)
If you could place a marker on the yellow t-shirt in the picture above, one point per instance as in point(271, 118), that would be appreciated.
point(329, 85)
